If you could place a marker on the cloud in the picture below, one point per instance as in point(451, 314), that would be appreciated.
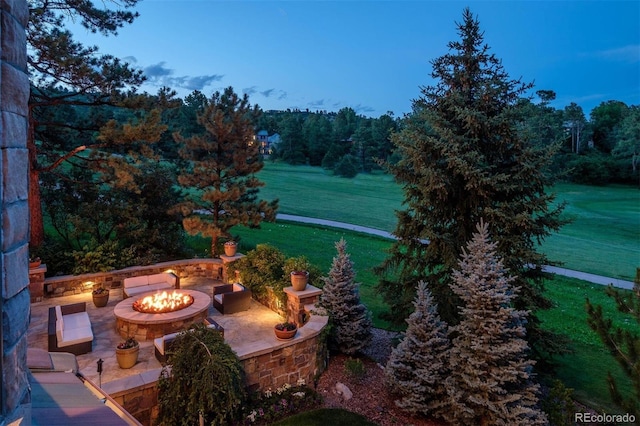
point(157, 70)
point(159, 75)
point(363, 109)
point(267, 93)
point(249, 90)
point(630, 53)
point(317, 103)
point(282, 94)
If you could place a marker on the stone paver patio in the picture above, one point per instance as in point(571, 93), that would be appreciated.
point(246, 332)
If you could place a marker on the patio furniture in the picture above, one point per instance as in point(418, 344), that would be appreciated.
point(231, 298)
point(70, 329)
point(162, 345)
point(133, 286)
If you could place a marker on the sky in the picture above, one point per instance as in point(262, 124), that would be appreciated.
point(374, 56)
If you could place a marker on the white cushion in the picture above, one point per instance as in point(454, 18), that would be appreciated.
point(238, 287)
point(136, 281)
point(59, 320)
point(76, 335)
point(218, 298)
point(158, 342)
point(78, 320)
point(163, 278)
point(158, 286)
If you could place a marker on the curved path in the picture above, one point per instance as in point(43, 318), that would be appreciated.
point(596, 279)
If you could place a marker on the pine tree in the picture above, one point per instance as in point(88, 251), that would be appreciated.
point(418, 366)
point(220, 177)
point(490, 381)
point(463, 158)
point(349, 319)
point(76, 94)
point(624, 344)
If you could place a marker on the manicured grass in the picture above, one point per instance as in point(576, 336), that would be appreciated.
point(325, 417)
point(603, 239)
point(585, 370)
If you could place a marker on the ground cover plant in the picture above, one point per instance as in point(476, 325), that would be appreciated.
point(568, 316)
point(602, 239)
point(325, 416)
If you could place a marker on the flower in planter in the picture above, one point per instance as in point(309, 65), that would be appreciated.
point(286, 326)
point(128, 344)
point(100, 291)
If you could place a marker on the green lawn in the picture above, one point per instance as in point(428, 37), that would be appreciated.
point(604, 238)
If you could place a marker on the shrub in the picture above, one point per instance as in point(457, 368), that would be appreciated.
point(265, 270)
point(354, 367)
point(347, 167)
point(206, 379)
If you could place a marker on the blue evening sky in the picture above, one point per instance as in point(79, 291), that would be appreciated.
point(373, 56)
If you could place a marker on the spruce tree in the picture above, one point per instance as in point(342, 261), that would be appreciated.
point(418, 366)
point(464, 157)
point(623, 343)
point(349, 319)
point(220, 176)
point(490, 381)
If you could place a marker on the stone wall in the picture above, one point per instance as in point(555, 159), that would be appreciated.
point(14, 280)
point(66, 285)
point(302, 359)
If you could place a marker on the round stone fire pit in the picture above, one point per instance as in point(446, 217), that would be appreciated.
point(148, 326)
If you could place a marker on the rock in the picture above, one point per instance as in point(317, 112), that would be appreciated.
point(342, 389)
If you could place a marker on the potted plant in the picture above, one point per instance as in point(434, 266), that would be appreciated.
point(100, 297)
point(230, 248)
point(285, 330)
point(298, 270)
point(34, 262)
point(127, 353)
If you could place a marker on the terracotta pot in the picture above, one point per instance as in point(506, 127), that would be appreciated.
point(299, 280)
point(35, 264)
point(285, 334)
point(230, 249)
point(101, 300)
point(127, 358)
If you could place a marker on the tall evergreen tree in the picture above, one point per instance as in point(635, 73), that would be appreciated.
point(221, 175)
point(418, 366)
point(463, 159)
point(490, 381)
point(64, 74)
point(349, 319)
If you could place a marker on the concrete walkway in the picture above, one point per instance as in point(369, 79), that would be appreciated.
point(596, 279)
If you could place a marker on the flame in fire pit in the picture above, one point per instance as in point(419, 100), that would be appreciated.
point(163, 302)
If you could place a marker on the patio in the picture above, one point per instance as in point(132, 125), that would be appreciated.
point(248, 333)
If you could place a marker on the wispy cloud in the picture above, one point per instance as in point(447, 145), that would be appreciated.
point(630, 53)
point(158, 74)
point(250, 90)
point(363, 109)
point(267, 93)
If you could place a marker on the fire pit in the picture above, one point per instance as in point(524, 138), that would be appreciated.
point(148, 325)
point(163, 302)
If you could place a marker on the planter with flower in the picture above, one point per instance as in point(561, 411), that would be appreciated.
point(285, 330)
point(127, 353)
point(298, 270)
point(100, 297)
point(34, 262)
point(230, 248)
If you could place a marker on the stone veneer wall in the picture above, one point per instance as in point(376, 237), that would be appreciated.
point(74, 284)
point(302, 359)
point(14, 165)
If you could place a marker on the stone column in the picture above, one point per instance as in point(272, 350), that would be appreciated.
point(299, 303)
point(15, 396)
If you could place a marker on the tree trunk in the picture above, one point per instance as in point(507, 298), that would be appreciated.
point(36, 237)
